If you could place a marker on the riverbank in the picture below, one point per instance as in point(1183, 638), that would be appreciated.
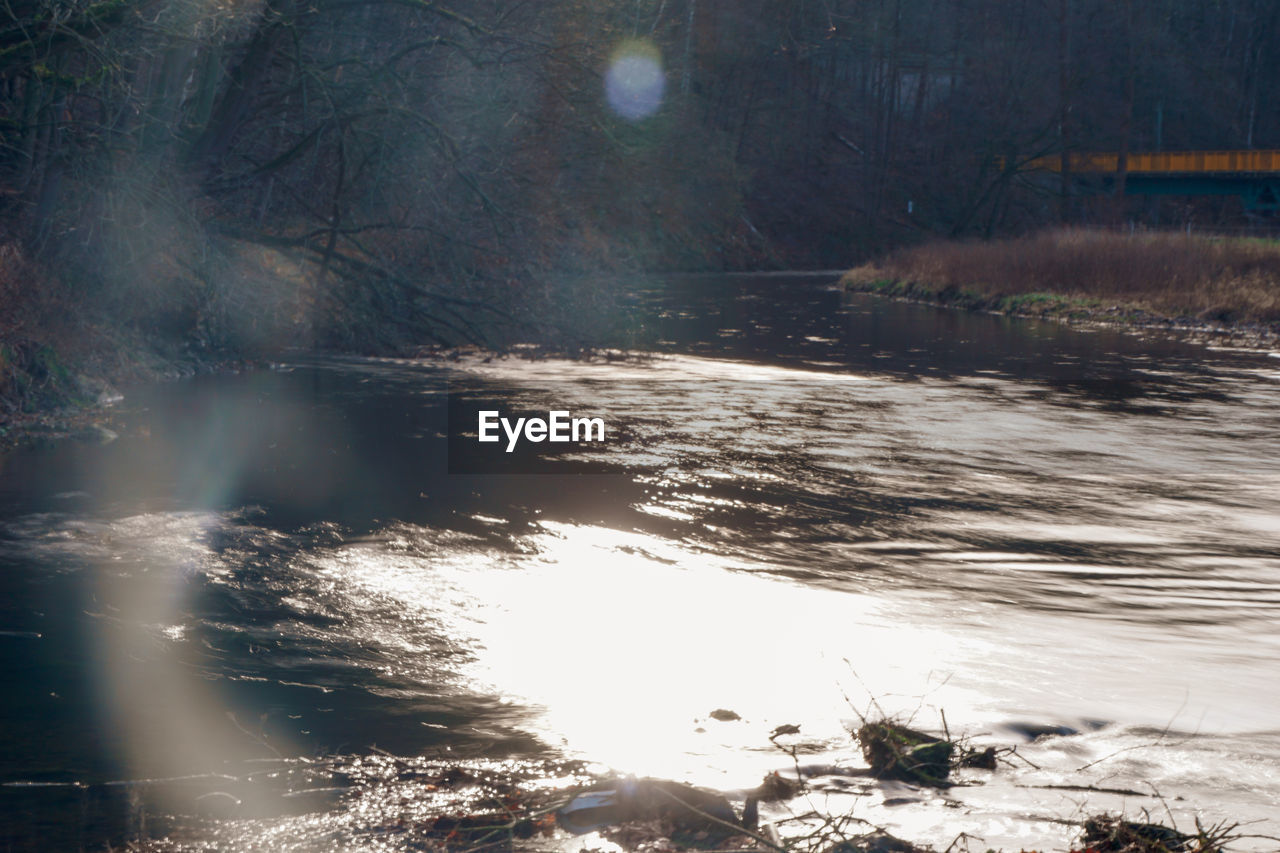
point(55, 385)
point(79, 406)
point(1203, 287)
point(70, 335)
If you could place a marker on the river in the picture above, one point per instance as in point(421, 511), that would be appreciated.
point(237, 623)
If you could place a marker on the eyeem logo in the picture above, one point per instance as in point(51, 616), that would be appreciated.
point(558, 427)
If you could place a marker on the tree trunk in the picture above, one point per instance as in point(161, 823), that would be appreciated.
point(1064, 110)
point(1126, 123)
point(687, 73)
point(242, 87)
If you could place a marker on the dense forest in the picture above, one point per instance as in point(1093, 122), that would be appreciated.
point(231, 175)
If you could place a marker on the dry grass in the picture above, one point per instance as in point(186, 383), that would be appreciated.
point(1172, 275)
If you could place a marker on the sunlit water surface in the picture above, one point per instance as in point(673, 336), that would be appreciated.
point(813, 507)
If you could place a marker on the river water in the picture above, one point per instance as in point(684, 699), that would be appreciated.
point(238, 624)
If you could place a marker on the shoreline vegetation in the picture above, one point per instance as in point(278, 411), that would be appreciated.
point(1204, 287)
point(537, 807)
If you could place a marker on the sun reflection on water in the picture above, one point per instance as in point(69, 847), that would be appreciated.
point(623, 643)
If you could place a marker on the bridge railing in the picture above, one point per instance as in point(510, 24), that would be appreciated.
point(1163, 162)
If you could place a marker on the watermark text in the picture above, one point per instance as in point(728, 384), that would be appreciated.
point(558, 426)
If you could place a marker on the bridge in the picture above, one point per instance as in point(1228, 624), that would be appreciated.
point(1254, 176)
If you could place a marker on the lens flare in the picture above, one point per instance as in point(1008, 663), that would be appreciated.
point(634, 82)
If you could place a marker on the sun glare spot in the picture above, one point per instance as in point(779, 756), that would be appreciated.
point(634, 82)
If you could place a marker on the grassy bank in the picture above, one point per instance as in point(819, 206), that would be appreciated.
point(1195, 281)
